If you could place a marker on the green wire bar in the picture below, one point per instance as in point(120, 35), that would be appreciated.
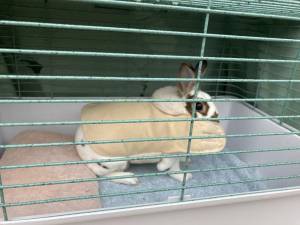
point(154, 79)
point(130, 140)
point(197, 86)
point(14, 124)
point(141, 56)
point(144, 191)
point(117, 159)
point(124, 100)
point(142, 31)
point(214, 169)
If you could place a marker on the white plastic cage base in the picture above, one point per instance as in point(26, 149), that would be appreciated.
point(272, 207)
point(276, 208)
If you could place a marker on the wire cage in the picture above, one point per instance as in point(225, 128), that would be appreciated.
point(57, 56)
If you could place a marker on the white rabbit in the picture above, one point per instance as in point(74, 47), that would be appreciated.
point(184, 90)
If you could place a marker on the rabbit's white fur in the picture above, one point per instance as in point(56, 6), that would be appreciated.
point(112, 169)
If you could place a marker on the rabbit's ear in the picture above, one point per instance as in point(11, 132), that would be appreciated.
point(204, 67)
point(186, 71)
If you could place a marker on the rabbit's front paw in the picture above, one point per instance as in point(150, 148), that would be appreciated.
point(180, 177)
point(125, 180)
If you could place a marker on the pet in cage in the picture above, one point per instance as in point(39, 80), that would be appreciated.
point(146, 110)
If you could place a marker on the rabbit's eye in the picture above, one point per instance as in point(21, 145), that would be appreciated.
point(199, 106)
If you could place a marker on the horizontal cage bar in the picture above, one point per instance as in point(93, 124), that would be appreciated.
point(142, 31)
point(130, 140)
point(124, 100)
point(213, 169)
point(117, 159)
point(140, 56)
point(13, 124)
point(154, 79)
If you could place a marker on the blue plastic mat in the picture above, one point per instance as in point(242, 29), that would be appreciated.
point(199, 178)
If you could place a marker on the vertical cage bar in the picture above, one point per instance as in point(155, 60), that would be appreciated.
point(197, 85)
point(3, 200)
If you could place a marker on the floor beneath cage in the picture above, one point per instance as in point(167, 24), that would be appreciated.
point(219, 175)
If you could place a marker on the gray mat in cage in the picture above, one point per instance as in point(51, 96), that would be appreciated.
point(233, 176)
